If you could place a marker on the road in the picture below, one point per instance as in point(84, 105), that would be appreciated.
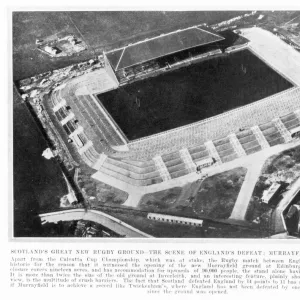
point(241, 205)
point(277, 220)
point(95, 216)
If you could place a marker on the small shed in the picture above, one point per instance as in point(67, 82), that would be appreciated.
point(270, 192)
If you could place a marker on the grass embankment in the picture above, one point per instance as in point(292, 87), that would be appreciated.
point(99, 193)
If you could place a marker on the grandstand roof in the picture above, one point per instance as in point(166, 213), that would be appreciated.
point(162, 45)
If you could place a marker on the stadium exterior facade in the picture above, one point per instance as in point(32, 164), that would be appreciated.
point(171, 154)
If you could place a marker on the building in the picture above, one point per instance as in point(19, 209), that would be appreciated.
point(205, 163)
point(270, 192)
point(51, 50)
point(142, 54)
point(48, 154)
point(292, 219)
point(175, 219)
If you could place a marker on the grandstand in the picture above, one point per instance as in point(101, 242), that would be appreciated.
point(175, 152)
point(161, 46)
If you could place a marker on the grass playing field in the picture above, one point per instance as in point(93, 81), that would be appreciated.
point(191, 94)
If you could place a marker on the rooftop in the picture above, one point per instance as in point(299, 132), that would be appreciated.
point(162, 45)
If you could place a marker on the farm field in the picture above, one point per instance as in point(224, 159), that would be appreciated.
point(100, 30)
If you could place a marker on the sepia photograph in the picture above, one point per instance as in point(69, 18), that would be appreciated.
point(156, 124)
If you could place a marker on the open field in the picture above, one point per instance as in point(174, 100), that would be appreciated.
point(29, 26)
point(99, 30)
point(283, 162)
point(212, 198)
point(108, 30)
point(38, 183)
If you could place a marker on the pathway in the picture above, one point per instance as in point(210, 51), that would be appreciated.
point(241, 205)
point(136, 192)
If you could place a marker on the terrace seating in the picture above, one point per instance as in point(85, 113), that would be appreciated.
point(174, 164)
point(129, 169)
point(131, 166)
point(109, 133)
point(271, 134)
point(225, 149)
point(290, 121)
point(139, 180)
point(101, 144)
point(198, 153)
point(248, 141)
point(135, 173)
